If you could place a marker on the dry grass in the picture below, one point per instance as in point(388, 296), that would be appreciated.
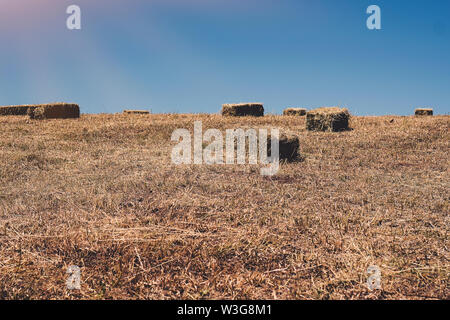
point(243, 109)
point(100, 192)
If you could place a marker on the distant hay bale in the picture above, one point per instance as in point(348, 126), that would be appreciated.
point(423, 112)
point(43, 111)
point(243, 109)
point(136, 112)
point(294, 112)
point(21, 110)
point(327, 119)
point(55, 111)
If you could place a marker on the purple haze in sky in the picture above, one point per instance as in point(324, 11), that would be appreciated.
point(193, 55)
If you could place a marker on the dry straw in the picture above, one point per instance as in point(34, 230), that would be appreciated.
point(423, 112)
point(21, 110)
point(294, 112)
point(55, 111)
point(327, 119)
point(132, 218)
point(243, 109)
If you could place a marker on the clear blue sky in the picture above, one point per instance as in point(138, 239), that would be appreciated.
point(191, 56)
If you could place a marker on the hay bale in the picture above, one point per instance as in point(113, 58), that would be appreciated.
point(288, 142)
point(423, 112)
point(327, 119)
point(136, 112)
point(21, 110)
point(289, 146)
point(243, 109)
point(55, 111)
point(294, 112)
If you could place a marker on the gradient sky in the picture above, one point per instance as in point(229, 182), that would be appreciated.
point(191, 56)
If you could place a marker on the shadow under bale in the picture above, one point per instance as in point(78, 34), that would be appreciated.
point(243, 109)
point(55, 111)
point(327, 119)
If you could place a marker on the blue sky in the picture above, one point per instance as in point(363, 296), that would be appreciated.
point(190, 56)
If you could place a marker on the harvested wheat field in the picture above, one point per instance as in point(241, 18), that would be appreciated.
point(100, 192)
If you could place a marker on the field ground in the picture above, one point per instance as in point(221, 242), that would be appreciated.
point(101, 193)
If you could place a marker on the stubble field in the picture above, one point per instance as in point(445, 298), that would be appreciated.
point(101, 193)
